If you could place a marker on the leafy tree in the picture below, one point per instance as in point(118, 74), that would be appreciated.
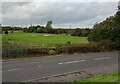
point(107, 30)
point(49, 23)
point(48, 27)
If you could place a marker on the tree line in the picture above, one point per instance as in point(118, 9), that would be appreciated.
point(48, 29)
point(83, 32)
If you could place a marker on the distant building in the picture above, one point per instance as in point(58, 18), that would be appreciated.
point(119, 5)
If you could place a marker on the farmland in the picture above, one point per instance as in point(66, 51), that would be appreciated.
point(37, 38)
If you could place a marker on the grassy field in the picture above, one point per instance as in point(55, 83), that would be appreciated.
point(41, 38)
point(112, 77)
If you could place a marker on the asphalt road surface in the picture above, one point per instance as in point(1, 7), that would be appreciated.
point(33, 68)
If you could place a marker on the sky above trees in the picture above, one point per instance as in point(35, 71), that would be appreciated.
point(62, 14)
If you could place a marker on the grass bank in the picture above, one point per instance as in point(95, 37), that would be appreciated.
point(112, 77)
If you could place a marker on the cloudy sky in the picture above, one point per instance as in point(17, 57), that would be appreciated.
point(63, 14)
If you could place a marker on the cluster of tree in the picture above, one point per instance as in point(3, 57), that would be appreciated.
point(9, 28)
point(72, 32)
point(5, 29)
point(48, 29)
point(108, 30)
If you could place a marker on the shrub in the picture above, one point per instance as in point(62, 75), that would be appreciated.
point(89, 47)
point(52, 52)
point(6, 32)
point(105, 45)
point(36, 51)
point(68, 42)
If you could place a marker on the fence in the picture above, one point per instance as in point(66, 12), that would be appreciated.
point(13, 52)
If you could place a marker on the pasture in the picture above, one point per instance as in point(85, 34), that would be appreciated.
point(38, 38)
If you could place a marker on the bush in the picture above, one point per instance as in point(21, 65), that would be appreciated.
point(6, 32)
point(36, 51)
point(52, 52)
point(90, 47)
point(107, 30)
point(105, 45)
point(68, 42)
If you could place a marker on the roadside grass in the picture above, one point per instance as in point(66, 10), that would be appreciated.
point(112, 77)
point(37, 38)
point(0, 38)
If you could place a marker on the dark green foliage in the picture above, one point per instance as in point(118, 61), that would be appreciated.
point(52, 52)
point(108, 30)
point(24, 29)
point(76, 32)
point(48, 29)
point(68, 42)
point(18, 50)
point(48, 26)
point(72, 32)
point(6, 32)
point(9, 28)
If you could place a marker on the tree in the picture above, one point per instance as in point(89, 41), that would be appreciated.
point(48, 26)
point(107, 30)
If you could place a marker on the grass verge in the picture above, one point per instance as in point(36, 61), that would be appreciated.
point(112, 77)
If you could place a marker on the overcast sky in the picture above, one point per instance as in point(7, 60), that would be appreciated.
point(63, 14)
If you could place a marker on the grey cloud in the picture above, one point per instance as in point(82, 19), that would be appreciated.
point(9, 6)
point(62, 14)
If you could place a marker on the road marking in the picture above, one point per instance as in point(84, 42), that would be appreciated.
point(13, 69)
point(71, 62)
point(39, 66)
point(101, 58)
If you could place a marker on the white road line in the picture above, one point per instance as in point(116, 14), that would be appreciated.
point(39, 66)
point(101, 58)
point(71, 62)
point(13, 69)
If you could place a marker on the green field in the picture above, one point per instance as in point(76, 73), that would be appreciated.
point(112, 77)
point(38, 38)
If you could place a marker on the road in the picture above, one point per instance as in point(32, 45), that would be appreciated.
point(33, 68)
